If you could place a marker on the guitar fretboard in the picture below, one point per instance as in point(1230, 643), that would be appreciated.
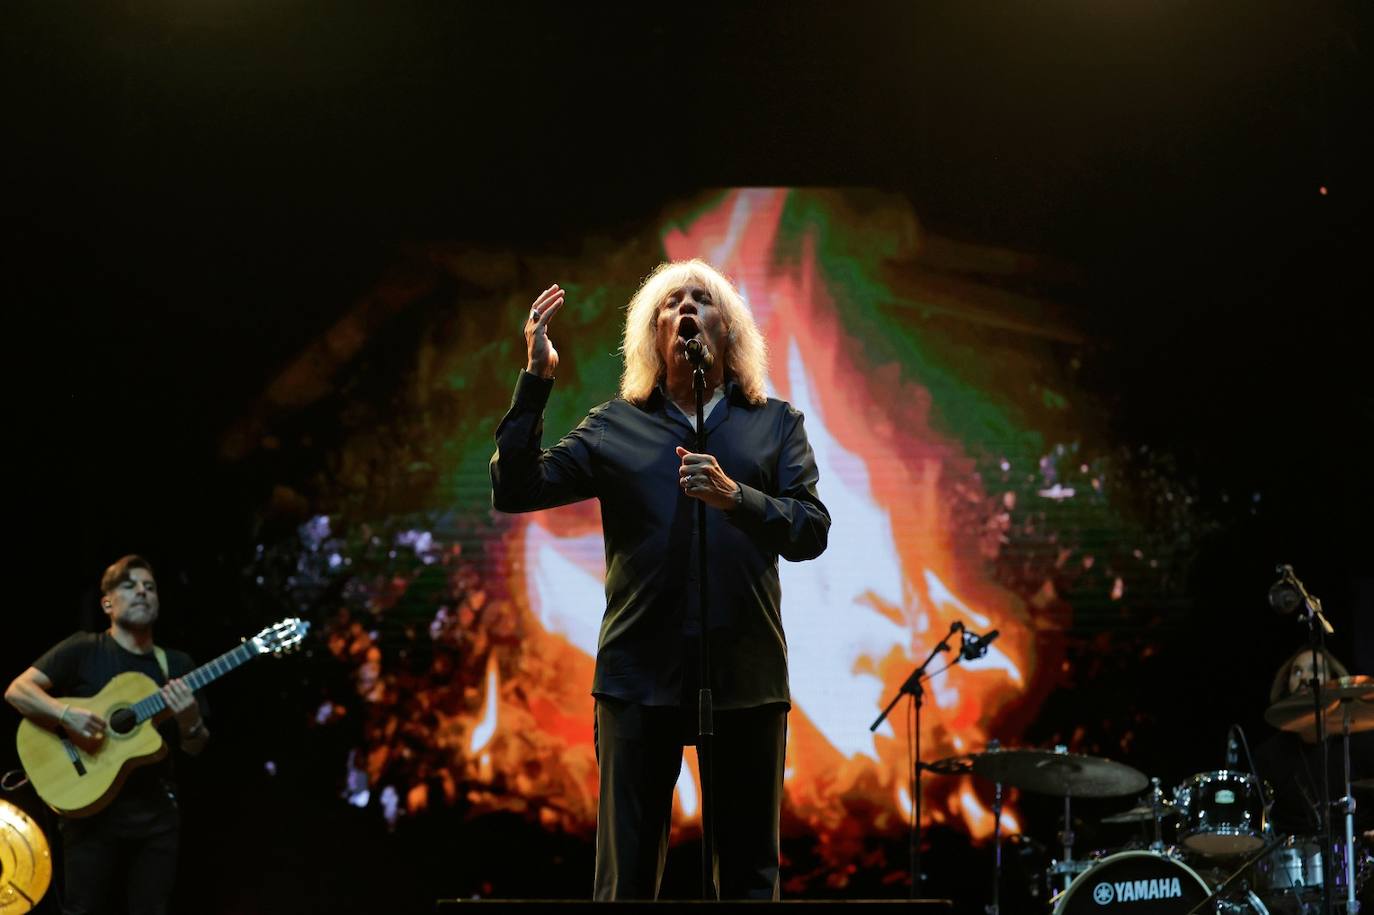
point(197, 678)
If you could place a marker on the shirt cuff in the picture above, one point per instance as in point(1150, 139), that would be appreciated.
point(531, 393)
point(751, 503)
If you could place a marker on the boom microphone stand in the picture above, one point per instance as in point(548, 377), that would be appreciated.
point(912, 687)
point(700, 358)
point(1286, 595)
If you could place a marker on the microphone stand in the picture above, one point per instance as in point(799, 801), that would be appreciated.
point(1317, 629)
point(912, 687)
point(705, 704)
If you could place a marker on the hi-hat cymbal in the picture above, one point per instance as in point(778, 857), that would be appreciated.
point(1345, 698)
point(950, 765)
point(1141, 813)
point(1063, 774)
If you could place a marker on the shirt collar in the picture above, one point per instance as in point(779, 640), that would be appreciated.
point(658, 397)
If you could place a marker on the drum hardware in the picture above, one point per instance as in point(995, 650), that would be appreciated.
point(996, 907)
point(1062, 773)
point(1346, 706)
point(1066, 839)
point(1056, 772)
point(1151, 809)
point(1223, 888)
point(1068, 870)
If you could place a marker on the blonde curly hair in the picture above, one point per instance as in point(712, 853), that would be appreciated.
point(746, 353)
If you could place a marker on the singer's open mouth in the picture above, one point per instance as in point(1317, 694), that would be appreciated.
point(687, 327)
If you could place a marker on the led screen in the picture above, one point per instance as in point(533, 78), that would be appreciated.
point(961, 463)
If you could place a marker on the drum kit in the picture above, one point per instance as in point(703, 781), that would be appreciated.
point(1225, 855)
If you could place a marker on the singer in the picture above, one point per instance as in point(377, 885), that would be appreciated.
point(634, 455)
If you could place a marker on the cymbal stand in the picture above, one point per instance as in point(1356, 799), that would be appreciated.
point(1157, 808)
point(1066, 867)
point(1352, 904)
point(996, 907)
point(1066, 838)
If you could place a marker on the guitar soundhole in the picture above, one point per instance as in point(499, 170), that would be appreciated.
point(123, 721)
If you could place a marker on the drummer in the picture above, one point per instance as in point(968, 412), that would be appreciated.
point(1291, 763)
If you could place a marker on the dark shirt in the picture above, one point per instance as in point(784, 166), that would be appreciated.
point(79, 667)
point(623, 455)
point(1292, 767)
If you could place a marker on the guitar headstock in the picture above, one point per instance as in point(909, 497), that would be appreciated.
point(280, 638)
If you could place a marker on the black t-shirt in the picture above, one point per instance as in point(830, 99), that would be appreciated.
point(79, 667)
point(1293, 767)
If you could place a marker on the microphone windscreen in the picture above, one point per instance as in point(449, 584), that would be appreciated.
point(699, 353)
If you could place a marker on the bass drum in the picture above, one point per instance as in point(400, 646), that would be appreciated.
point(1135, 882)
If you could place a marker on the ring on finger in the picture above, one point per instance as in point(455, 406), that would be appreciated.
point(534, 314)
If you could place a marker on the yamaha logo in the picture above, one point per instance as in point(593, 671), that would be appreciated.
point(1137, 890)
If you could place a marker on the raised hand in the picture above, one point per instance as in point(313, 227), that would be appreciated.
point(543, 358)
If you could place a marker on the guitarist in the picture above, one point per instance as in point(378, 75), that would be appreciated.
point(128, 849)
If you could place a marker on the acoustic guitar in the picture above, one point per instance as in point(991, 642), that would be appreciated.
point(79, 778)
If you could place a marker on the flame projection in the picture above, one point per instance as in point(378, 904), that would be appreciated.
point(462, 641)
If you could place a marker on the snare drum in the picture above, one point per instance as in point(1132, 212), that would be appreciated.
point(1221, 813)
point(1134, 882)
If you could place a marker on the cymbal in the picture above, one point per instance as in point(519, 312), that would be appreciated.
point(1141, 813)
point(1358, 687)
point(950, 765)
point(25, 861)
point(1063, 774)
point(1351, 697)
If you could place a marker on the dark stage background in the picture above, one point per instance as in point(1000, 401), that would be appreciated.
point(241, 233)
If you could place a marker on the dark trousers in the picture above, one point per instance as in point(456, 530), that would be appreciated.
point(639, 749)
point(105, 871)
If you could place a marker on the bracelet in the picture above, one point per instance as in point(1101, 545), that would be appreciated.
point(62, 718)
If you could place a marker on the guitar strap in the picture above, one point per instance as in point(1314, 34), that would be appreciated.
point(162, 661)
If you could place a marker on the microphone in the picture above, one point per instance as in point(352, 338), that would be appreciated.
point(1286, 594)
point(1232, 749)
point(975, 646)
point(699, 354)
